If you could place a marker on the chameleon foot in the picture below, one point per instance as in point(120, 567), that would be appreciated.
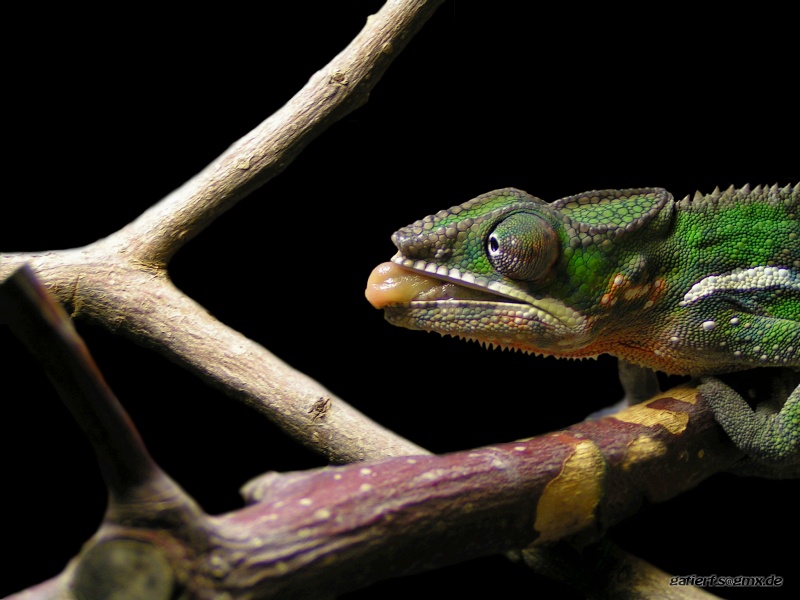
point(769, 435)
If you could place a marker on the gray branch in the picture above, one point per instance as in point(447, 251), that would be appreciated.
point(121, 282)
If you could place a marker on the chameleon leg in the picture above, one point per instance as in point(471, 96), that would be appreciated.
point(766, 435)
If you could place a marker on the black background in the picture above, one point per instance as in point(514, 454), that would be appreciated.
point(106, 114)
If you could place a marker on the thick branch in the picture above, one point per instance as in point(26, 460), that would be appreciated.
point(370, 519)
point(408, 514)
point(335, 529)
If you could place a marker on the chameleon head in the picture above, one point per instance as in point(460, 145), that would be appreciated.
point(472, 271)
point(510, 270)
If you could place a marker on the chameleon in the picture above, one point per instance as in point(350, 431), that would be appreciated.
point(702, 286)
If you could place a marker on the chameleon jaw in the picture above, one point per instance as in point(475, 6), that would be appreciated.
point(499, 291)
point(418, 298)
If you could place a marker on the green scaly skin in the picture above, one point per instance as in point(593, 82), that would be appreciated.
point(700, 286)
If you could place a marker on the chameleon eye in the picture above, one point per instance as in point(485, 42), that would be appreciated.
point(522, 247)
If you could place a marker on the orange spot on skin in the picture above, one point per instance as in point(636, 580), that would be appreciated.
point(658, 290)
point(620, 287)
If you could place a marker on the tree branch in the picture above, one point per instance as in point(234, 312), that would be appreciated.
point(45, 329)
point(375, 520)
point(121, 282)
point(339, 88)
point(128, 268)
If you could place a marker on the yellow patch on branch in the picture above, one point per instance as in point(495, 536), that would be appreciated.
point(568, 502)
point(641, 449)
point(673, 421)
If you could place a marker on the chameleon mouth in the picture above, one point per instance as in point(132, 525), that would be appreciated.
point(391, 284)
point(404, 283)
point(432, 302)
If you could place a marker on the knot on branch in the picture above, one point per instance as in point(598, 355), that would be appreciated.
point(124, 569)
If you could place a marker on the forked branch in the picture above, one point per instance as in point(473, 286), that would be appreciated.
point(366, 517)
point(326, 531)
point(121, 282)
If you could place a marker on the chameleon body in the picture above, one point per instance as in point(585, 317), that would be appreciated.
point(700, 286)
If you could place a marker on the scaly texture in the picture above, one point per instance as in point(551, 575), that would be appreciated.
point(699, 286)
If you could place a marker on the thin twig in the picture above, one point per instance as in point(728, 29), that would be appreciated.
point(339, 88)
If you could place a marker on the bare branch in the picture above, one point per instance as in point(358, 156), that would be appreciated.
point(574, 483)
point(375, 520)
point(46, 330)
point(120, 282)
point(336, 90)
point(91, 281)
